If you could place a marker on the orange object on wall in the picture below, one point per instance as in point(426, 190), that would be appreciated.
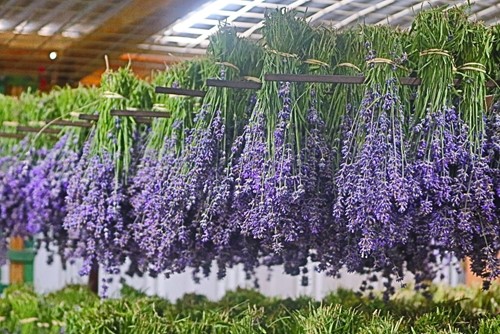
point(471, 279)
point(16, 270)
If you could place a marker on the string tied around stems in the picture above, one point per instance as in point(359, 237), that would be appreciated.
point(283, 54)
point(440, 52)
point(37, 123)
point(225, 63)
point(385, 61)
point(10, 124)
point(478, 67)
point(316, 62)
point(429, 52)
point(350, 65)
point(250, 78)
point(112, 95)
point(159, 107)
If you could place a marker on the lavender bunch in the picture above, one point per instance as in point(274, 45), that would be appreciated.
point(163, 231)
point(98, 210)
point(5, 164)
point(15, 178)
point(165, 139)
point(456, 205)
point(374, 187)
point(485, 198)
point(284, 175)
point(47, 191)
point(184, 223)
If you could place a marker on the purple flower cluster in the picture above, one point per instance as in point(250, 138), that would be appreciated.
point(265, 202)
point(97, 214)
point(46, 194)
point(281, 194)
point(15, 176)
point(174, 198)
point(389, 197)
point(456, 207)
point(374, 186)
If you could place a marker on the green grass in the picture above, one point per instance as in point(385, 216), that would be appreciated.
point(76, 310)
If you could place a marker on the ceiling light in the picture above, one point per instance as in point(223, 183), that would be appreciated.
point(197, 15)
point(4, 24)
point(52, 55)
point(20, 27)
point(48, 30)
point(45, 32)
point(71, 34)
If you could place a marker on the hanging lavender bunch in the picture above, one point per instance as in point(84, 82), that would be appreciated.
point(148, 201)
point(375, 189)
point(5, 164)
point(164, 231)
point(47, 191)
point(483, 201)
point(183, 224)
point(457, 201)
point(218, 232)
point(247, 171)
point(16, 176)
point(98, 219)
point(284, 177)
point(94, 220)
point(164, 143)
point(456, 205)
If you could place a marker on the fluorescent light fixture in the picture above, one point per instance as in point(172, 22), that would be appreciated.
point(200, 14)
point(175, 49)
point(45, 33)
point(71, 34)
point(53, 55)
point(20, 27)
point(4, 24)
point(47, 30)
point(83, 29)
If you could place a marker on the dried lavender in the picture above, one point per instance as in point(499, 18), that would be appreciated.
point(47, 191)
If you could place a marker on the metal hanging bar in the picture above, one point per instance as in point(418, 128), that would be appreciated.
point(62, 122)
point(23, 128)
point(180, 91)
point(87, 117)
point(138, 119)
point(345, 79)
point(11, 135)
point(238, 84)
point(140, 113)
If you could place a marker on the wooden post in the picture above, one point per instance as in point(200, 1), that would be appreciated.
point(16, 272)
point(93, 283)
point(21, 257)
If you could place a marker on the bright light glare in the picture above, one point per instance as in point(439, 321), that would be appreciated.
point(4, 24)
point(20, 27)
point(71, 34)
point(48, 30)
point(53, 55)
point(197, 15)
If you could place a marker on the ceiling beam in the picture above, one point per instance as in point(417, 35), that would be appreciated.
point(138, 19)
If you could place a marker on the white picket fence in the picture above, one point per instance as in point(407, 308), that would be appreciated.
point(275, 283)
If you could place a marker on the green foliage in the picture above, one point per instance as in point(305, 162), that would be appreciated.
point(76, 310)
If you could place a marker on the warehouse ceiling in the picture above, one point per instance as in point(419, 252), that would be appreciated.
point(153, 33)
